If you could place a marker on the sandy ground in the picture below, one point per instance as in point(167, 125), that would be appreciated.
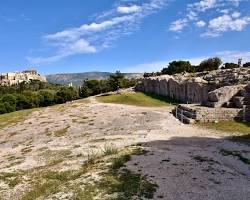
point(185, 161)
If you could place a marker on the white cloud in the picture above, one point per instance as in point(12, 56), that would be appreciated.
point(196, 11)
point(200, 23)
point(178, 25)
point(225, 23)
point(128, 9)
point(102, 32)
point(233, 56)
point(236, 14)
point(203, 5)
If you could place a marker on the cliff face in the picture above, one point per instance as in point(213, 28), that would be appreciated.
point(193, 90)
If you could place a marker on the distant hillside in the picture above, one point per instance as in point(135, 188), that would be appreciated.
point(77, 78)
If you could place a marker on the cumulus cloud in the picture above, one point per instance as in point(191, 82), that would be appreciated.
point(101, 33)
point(194, 12)
point(226, 23)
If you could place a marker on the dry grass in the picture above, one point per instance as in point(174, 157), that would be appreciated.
point(14, 117)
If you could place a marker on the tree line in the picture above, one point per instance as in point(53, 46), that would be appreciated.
point(113, 83)
point(34, 94)
point(210, 64)
point(39, 94)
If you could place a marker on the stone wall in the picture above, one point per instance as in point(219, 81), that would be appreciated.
point(218, 114)
point(191, 90)
point(205, 114)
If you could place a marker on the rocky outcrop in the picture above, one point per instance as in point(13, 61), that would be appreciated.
point(227, 76)
point(247, 103)
point(188, 90)
point(224, 95)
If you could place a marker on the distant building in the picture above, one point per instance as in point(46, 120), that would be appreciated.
point(14, 78)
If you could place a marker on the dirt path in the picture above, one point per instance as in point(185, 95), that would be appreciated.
point(185, 161)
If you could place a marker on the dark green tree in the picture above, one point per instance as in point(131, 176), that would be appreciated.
point(2, 108)
point(115, 81)
point(22, 102)
point(209, 64)
point(9, 98)
point(230, 66)
point(178, 67)
point(66, 94)
point(48, 98)
point(246, 64)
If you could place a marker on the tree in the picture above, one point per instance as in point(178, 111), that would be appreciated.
point(246, 64)
point(2, 109)
point(210, 64)
point(9, 98)
point(22, 102)
point(9, 108)
point(66, 94)
point(48, 98)
point(115, 81)
point(85, 91)
point(178, 67)
point(230, 66)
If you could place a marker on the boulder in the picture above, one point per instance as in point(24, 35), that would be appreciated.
point(223, 95)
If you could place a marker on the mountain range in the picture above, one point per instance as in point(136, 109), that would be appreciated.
point(77, 78)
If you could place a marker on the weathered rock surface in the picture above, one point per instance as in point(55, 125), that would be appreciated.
point(194, 90)
point(221, 96)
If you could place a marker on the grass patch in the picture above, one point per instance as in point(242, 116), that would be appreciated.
point(238, 154)
point(14, 117)
point(202, 159)
point(137, 99)
point(115, 182)
point(12, 179)
point(229, 126)
point(110, 149)
point(245, 139)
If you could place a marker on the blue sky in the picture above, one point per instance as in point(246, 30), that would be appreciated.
point(128, 35)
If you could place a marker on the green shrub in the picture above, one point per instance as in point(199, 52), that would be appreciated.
point(9, 108)
point(230, 66)
point(2, 109)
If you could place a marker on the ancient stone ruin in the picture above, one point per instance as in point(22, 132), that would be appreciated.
point(14, 78)
point(206, 96)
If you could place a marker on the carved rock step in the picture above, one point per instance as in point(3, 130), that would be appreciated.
point(184, 114)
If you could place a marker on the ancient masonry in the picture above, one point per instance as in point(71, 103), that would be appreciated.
point(13, 78)
point(208, 96)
